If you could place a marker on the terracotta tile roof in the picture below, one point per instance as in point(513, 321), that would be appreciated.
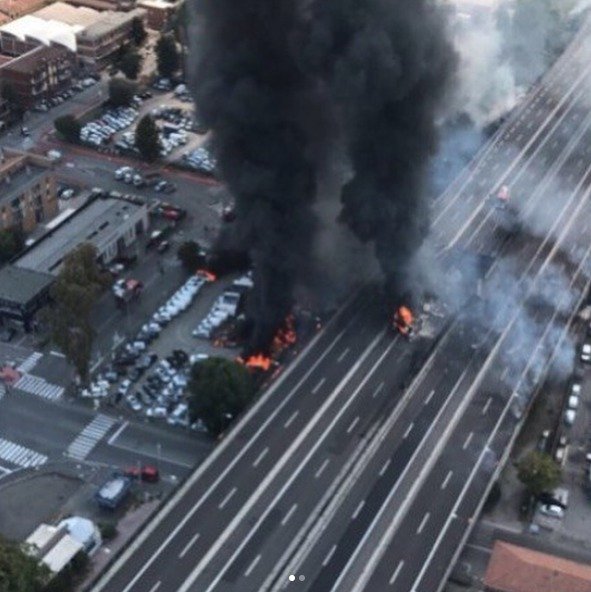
point(517, 569)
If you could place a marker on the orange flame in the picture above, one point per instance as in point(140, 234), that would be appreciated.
point(259, 362)
point(285, 336)
point(208, 276)
point(403, 319)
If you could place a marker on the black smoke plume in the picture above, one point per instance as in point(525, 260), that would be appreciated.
point(270, 77)
point(251, 91)
point(387, 64)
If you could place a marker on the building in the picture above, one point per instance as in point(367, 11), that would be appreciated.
point(109, 223)
point(28, 192)
point(13, 9)
point(93, 35)
point(22, 293)
point(98, 43)
point(158, 13)
point(517, 569)
point(122, 5)
point(53, 546)
point(26, 33)
point(39, 74)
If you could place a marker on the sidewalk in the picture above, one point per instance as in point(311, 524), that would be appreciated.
point(127, 527)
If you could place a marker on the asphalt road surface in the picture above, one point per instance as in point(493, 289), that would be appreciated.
point(345, 477)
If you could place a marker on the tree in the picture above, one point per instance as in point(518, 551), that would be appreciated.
point(189, 254)
point(121, 92)
point(538, 472)
point(74, 294)
point(68, 127)
point(12, 242)
point(167, 56)
point(19, 572)
point(138, 31)
point(131, 63)
point(219, 390)
point(147, 138)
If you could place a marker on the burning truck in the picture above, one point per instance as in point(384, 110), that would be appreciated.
point(403, 321)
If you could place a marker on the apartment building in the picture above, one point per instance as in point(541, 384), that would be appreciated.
point(28, 192)
point(38, 74)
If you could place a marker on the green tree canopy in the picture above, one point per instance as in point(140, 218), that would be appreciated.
point(20, 572)
point(131, 63)
point(68, 127)
point(189, 255)
point(167, 56)
point(121, 92)
point(147, 138)
point(12, 241)
point(74, 294)
point(538, 472)
point(219, 389)
point(138, 31)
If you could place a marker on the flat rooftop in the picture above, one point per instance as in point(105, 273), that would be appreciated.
point(96, 223)
point(80, 16)
point(19, 285)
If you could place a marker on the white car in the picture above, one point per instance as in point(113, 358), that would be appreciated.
point(156, 412)
point(586, 353)
point(552, 510)
point(573, 402)
point(569, 417)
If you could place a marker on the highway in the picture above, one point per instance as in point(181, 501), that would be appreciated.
point(343, 477)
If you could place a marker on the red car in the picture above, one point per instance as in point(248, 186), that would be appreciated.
point(147, 473)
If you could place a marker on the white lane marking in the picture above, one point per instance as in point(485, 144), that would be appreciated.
point(446, 480)
point(408, 430)
point(505, 372)
point(118, 432)
point(385, 467)
point(343, 355)
point(155, 586)
point(5, 470)
point(188, 545)
point(215, 455)
point(468, 440)
point(343, 408)
point(321, 469)
point(378, 390)
point(329, 556)
point(154, 454)
point(260, 457)
point(423, 522)
point(429, 397)
point(318, 385)
point(358, 509)
point(368, 568)
point(487, 445)
point(486, 406)
point(227, 498)
point(291, 418)
point(353, 424)
point(288, 515)
point(396, 572)
point(252, 566)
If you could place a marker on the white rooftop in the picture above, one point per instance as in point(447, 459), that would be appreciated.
point(62, 553)
point(43, 31)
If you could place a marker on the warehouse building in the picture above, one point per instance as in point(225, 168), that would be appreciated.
point(110, 224)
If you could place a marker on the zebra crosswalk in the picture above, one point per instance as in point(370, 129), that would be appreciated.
point(28, 364)
point(89, 437)
point(20, 455)
point(35, 385)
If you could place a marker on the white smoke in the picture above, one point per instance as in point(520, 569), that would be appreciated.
point(486, 82)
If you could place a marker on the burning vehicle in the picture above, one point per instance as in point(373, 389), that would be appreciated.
point(503, 197)
point(403, 321)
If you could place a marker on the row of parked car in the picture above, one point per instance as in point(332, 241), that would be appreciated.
point(200, 160)
point(101, 131)
point(226, 306)
point(46, 104)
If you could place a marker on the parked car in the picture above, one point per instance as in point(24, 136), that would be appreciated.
point(586, 353)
